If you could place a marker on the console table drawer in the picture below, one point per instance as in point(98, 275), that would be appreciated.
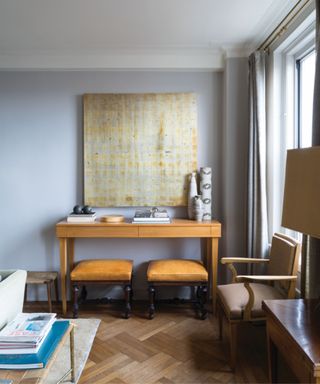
point(87, 231)
point(173, 231)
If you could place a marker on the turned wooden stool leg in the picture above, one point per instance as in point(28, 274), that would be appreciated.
point(75, 301)
point(151, 301)
point(49, 295)
point(196, 295)
point(84, 294)
point(203, 299)
point(127, 293)
point(131, 293)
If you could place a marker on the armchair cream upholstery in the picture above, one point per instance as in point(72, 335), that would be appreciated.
point(242, 299)
point(12, 286)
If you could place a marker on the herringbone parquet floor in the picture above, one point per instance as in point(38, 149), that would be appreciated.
point(173, 348)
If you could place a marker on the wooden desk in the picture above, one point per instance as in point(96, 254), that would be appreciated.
point(179, 228)
point(37, 376)
point(293, 329)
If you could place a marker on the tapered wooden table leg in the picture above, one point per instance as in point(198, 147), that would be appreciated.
point(70, 249)
point(213, 246)
point(63, 273)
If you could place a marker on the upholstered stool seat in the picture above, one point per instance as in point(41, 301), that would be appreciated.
point(177, 272)
point(95, 270)
point(111, 272)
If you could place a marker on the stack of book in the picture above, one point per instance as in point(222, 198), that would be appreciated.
point(151, 216)
point(81, 217)
point(29, 340)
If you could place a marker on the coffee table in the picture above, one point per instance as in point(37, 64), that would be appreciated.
point(35, 376)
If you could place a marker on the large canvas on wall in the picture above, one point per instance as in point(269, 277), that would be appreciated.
point(139, 148)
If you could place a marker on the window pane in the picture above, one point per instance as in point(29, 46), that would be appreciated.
point(307, 73)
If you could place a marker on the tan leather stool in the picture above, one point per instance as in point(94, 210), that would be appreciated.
point(48, 278)
point(110, 272)
point(178, 272)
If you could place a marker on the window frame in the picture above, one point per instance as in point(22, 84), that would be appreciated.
point(282, 123)
point(309, 49)
point(281, 115)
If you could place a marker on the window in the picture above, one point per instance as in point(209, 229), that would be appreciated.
point(290, 96)
point(290, 85)
point(305, 84)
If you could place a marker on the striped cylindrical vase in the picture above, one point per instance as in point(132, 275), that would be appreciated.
point(206, 191)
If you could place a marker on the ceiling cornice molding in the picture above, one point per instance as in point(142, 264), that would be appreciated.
point(164, 59)
point(236, 51)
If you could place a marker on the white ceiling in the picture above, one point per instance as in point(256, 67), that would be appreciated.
point(133, 33)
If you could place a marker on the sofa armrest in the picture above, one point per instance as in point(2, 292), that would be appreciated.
point(12, 288)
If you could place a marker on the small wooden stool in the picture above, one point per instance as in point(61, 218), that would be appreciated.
point(178, 272)
point(35, 277)
point(110, 272)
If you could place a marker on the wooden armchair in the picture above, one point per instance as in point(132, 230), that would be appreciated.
point(242, 299)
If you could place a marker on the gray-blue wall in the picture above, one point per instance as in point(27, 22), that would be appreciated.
point(41, 162)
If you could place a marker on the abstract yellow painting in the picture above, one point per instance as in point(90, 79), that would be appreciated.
point(139, 148)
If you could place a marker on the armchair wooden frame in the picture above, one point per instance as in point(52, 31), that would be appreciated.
point(247, 280)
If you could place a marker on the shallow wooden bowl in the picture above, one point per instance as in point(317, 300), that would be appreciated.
point(112, 218)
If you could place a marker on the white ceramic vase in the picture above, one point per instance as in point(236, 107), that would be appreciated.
point(193, 191)
point(197, 208)
point(206, 192)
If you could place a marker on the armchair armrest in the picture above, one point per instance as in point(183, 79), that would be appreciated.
point(229, 261)
point(262, 278)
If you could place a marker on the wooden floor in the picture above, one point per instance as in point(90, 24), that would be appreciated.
point(174, 347)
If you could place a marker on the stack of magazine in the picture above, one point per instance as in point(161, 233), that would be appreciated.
point(151, 216)
point(29, 340)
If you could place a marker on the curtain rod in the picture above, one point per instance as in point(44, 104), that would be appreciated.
point(278, 31)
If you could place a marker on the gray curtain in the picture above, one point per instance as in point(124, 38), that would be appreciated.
point(257, 220)
point(310, 260)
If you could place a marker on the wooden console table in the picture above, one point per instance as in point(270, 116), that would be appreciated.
point(293, 329)
point(178, 228)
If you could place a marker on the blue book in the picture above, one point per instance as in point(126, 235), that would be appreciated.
point(39, 359)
